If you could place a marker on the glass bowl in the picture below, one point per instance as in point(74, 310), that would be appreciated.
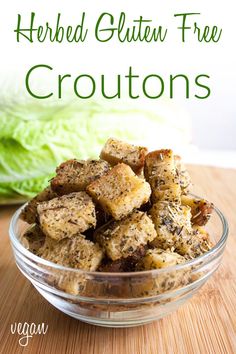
point(119, 299)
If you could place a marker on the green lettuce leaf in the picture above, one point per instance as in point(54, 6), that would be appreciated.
point(27, 188)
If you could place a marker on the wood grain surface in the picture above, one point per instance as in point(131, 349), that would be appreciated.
point(205, 324)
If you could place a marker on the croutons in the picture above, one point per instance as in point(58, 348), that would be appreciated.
point(29, 213)
point(75, 252)
point(201, 209)
point(116, 151)
point(75, 176)
point(172, 223)
point(121, 239)
point(120, 191)
point(129, 211)
point(67, 215)
point(34, 238)
point(159, 258)
point(160, 172)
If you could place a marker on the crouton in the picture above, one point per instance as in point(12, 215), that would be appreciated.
point(148, 286)
point(75, 252)
point(197, 244)
point(116, 151)
point(71, 283)
point(75, 176)
point(201, 209)
point(174, 230)
point(127, 264)
point(160, 172)
point(29, 213)
point(67, 215)
point(184, 177)
point(34, 239)
point(121, 239)
point(201, 232)
point(159, 258)
point(172, 223)
point(118, 266)
point(120, 191)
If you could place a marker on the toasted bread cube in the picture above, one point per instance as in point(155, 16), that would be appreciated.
point(159, 258)
point(173, 279)
point(203, 234)
point(127, 264)
point(193, 244)
point(160, 172)
point(34, 239)
point(73, 284)
point(120, 191)
point(67, 215)
point(201, 209)
point(184, 177)
point(75, 176)
point(172, 223)
point(148, 286)
point(197, 244)
point(116, 151)
point(74, 252)
point(120, 239)
point(174, 230)
point(29, 213)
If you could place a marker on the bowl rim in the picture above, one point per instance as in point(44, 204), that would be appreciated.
point(213, 251)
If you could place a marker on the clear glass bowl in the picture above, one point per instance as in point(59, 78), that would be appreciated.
point(119, 299)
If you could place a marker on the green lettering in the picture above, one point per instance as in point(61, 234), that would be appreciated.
point(172, 78)
point(93, 86)
point(109, 30)
point(60, 79)
point(183, 27)
point(208, 90)
point(20, 31)
point(130, 77)
point(145, 82)
point(28, 77)
point(118, 88)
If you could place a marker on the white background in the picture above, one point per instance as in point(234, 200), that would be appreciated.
point(213, 120)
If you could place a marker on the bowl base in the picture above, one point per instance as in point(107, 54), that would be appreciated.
point(103, 323)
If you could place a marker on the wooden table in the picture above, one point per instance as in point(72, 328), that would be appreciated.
point(206, 324)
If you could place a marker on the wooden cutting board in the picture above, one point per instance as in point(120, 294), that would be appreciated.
point(206, 324)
